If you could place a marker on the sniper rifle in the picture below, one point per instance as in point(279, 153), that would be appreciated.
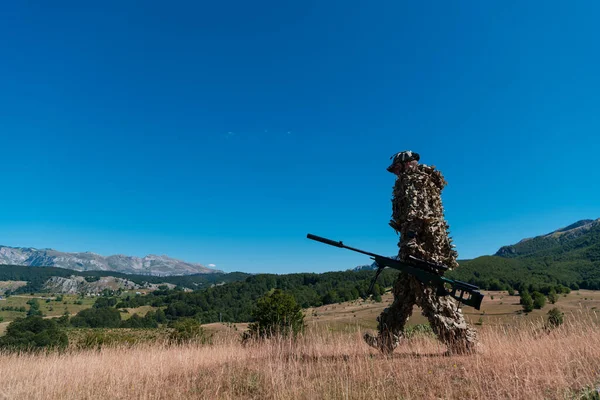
point(426, 272)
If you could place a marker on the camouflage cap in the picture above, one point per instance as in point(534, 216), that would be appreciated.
point(405, 156)
point(399, 160)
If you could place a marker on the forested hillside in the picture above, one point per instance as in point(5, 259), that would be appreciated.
point(560, 241)
point(568, 256)
point(234, 301)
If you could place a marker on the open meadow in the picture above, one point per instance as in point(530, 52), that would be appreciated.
point(517, 358)
point(50, 305)
point(521, 362)
point(498, 308)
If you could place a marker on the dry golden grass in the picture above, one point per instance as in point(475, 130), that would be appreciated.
point(501, 310)
point(519, 362)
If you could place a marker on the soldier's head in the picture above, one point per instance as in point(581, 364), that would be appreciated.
point(402, 161)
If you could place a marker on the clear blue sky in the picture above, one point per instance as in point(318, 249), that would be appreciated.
point(223, 132)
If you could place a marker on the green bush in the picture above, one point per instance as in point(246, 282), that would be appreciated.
point(377, 297)
point(33, 333)
point(34, 308)
point(135, 321)
point(276, 314)
point(552, 296)
point(97, 318)
point(186, 330)
point(555, 318)
point(63, 320)
point(104, 302)
point(526, 301)
point(539, 300)
point(418, 330)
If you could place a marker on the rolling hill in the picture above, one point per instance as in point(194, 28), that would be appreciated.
point(569, 256)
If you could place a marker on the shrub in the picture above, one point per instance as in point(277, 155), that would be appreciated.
point(552, 296)
point(555, 318)
point(526, 301)
point(539, 300)
point(418, 330)
point(97, 318)
point(34, 308)
point(33, 333)
point(186, 330)
point(276, 314)
point(377, 297)
point(104, 302)
point(148, 321)
point(63, 320)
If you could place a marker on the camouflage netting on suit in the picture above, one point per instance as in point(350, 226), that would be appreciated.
point(418, 215)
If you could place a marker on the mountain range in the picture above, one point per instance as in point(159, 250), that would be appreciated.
point(87, 261)
point(570, 256)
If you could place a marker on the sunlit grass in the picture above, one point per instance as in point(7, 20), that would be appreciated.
point(524, 362)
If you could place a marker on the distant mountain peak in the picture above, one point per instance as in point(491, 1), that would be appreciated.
point(366, 267)
point(554, 238)
point(89, 261)
point(577, 224)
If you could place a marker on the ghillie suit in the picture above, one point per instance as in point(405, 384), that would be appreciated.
point(418, 215)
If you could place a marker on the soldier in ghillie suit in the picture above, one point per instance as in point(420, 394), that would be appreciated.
point(418, 215)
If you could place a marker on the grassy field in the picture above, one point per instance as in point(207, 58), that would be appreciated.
point(516, 358)
point(519, 362)
point(51, 308)
point(502, 310)
point(349, 317)
point(70, 303)
point(141, 311)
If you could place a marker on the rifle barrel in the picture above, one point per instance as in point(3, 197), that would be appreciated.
point(339, 244)
point(324, 240)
